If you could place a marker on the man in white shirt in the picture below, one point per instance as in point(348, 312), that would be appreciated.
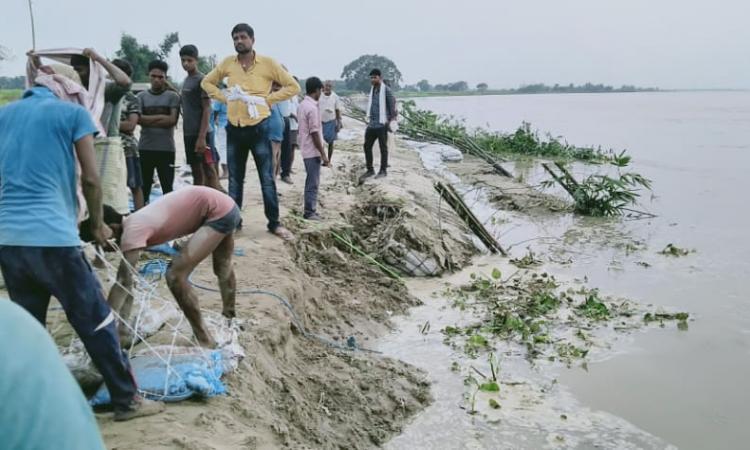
point(330, 115)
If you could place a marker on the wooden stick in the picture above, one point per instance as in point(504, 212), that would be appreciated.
point(374, 261)
point(569, 177)
point(33, 29)
point(454, 200)
point(559, 180)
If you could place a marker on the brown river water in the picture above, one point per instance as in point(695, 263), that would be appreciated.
point(661, 388)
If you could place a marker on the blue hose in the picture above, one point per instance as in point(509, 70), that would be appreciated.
point(351, 342)
point(159, 267)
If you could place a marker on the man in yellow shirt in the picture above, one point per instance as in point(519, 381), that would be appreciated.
point(249, 98)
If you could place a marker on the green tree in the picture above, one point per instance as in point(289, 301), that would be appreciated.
point(482, 87)
point(166, 45)
point(356, 74)
point(424, 85)
point(139, 55)
point(207, 63)
point(459, 86)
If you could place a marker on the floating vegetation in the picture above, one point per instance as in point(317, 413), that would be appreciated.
point(662, 317)
point(593, 307)
point(528, 260)
point(673, 250)
point(536, 312)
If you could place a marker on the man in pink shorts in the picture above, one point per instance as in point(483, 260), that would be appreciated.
point(211, 217)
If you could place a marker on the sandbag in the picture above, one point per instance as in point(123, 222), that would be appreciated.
point(192, 372)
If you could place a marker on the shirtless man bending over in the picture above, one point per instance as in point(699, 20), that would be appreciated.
point(211, 217)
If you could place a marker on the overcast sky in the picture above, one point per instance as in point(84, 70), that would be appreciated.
point(664, 43)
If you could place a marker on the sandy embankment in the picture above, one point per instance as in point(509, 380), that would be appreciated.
point(289, 391)
point(293, 392)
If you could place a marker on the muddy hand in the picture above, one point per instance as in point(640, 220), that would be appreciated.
point(101, 234)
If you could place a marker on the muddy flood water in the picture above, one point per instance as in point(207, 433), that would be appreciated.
point(659, 388)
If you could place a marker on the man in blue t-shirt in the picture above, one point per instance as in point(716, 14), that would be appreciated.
point(40, 253)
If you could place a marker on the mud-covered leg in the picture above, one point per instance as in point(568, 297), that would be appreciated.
point(200, 245)
point(224, 271)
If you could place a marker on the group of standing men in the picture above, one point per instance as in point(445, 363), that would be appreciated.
point(157, 110)
point(47, 152)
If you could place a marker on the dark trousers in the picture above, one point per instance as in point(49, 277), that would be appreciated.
point(287, 151)
point(381, 135)
point(163, 162)
point(32, 274)
point(312, 183)
point(240, 142)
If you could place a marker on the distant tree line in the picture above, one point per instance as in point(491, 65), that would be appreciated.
point(541, 88)
point(12, 82)
point(355, 76)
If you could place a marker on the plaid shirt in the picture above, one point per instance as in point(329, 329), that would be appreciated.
point(130, 105)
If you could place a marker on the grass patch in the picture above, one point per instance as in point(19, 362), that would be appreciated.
point(8, 95)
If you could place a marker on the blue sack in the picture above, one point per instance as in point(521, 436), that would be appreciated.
point(163, 248)
point(189, 375)
point(154, 269)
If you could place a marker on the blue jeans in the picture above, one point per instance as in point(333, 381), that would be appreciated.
point(32, 274)
point(287, 151)
point(241, 141)
point(312, 183)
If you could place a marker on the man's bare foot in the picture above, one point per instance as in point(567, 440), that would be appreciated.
point(283, 233)
point(208, 345)
point(206, 341)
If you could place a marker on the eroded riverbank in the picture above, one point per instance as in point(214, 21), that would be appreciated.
point(530, 409)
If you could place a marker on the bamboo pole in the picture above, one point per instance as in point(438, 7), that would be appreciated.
point(464, 212)
point(559, 180)
point(33, 28)
point(390, 272)
point(567, 174)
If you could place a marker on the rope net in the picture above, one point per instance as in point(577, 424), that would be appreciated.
point(161, 339)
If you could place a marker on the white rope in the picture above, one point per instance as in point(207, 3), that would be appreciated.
point(138, 282)
point(144, 293)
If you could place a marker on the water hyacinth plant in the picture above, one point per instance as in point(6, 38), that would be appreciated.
point(602, 195)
